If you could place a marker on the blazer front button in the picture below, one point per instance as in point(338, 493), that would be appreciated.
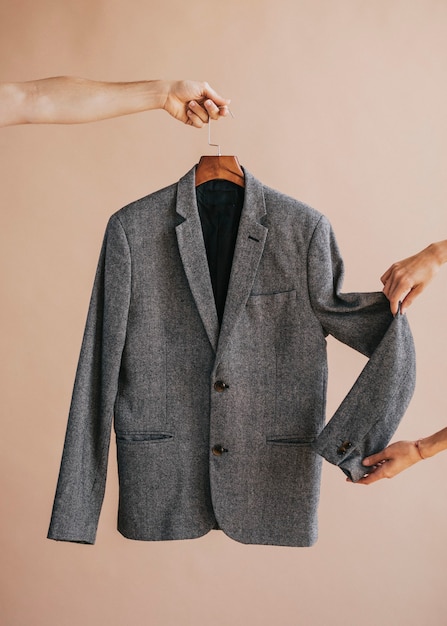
point(218, 450)
point(220, 386)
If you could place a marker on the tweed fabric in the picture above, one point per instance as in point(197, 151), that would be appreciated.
point(153, 352)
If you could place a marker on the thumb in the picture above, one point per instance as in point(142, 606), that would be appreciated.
point(374, 459)
point(412, 295)
point(209, 92)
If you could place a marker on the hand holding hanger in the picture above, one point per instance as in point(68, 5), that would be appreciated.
point(74, 100)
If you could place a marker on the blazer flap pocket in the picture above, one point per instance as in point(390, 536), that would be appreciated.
point(289, 440)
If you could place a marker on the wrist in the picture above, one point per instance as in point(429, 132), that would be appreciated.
point(428, 447)
point(438, 251)
point(157, 93)
point(420, 448)
point(162, 92)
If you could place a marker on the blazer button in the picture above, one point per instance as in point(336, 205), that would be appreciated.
point(220, 386)
point(218, 450)
point(344, 447)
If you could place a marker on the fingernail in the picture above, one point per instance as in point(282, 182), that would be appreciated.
point(192, 103)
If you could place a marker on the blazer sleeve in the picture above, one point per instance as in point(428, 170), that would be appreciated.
point(370, 413)
point(82, 476)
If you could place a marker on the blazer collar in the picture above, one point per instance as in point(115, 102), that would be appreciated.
point(247, 254)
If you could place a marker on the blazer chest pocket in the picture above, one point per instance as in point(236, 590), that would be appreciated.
point(272, 300)
point(156, 437)
point(268, 311)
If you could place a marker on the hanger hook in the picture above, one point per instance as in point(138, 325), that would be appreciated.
point(216, 145)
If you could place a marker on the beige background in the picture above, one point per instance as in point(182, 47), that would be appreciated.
point(341, 104)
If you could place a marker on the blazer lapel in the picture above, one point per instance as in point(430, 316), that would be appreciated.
point(193, 255)
point(248, 251)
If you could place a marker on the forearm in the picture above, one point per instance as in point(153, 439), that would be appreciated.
point(69, 100)
point(429, 446)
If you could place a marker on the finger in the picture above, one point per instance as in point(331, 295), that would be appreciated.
point(199, 111)
point(375, 459)
point(193, 119)
point(389, 287)
point(214, 111)
point(373, 477)
point(399, 287)
point(209, 92)
point(391, 284)
point(394, 304)
point(395, 291)
point(378, 472)
point(411, 297)
point(386, 276)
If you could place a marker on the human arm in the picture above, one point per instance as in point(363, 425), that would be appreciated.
point(72, 100)
point(406, 279)
point(401, 455)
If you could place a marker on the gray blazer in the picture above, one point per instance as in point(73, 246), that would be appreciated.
point(223, 429)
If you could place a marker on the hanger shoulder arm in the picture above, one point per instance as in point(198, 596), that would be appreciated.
point(226, 167)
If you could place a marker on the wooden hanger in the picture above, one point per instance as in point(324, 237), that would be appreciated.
point(224, 167)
